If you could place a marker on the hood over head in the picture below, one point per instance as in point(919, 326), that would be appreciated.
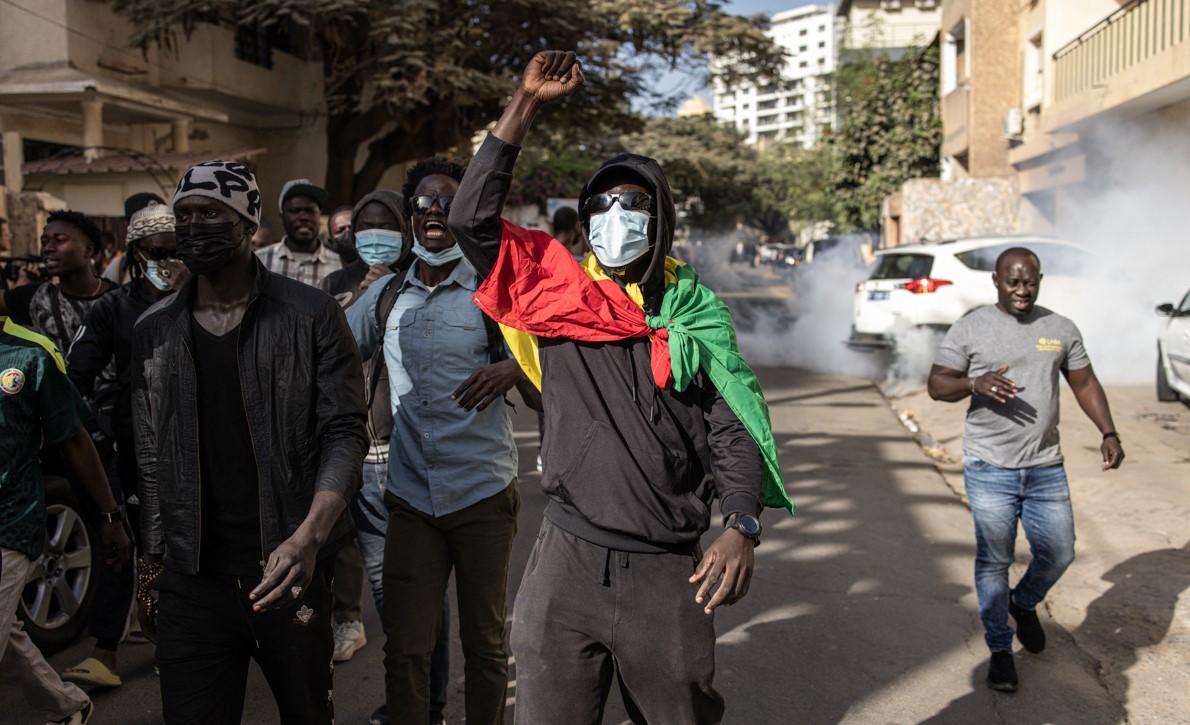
point(648, 174)
point(395, 203)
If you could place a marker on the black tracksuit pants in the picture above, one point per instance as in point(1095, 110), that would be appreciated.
point(584, 613)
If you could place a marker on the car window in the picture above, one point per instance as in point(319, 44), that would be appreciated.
point(984, 258)
point(1184, 305)
point(1056, 259)
point(903, 266)
point(1063, 261)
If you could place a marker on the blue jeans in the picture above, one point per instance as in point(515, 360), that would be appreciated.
point(371, 522)
point(1040, 499)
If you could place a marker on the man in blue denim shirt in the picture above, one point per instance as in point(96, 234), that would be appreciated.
point(1007, 357)
point(452, 493)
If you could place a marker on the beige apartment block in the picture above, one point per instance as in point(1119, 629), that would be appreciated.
point(980, 83)
point(891, 25)
point(89, 120)
point(1096, 74)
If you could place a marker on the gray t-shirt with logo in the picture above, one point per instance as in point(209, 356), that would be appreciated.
point(1022, 433)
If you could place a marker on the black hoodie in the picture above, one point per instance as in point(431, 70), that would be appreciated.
point(627, 465)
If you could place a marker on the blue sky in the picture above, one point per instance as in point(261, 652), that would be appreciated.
point(687, 84)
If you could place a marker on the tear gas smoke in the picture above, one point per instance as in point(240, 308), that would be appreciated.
point(1129, 214)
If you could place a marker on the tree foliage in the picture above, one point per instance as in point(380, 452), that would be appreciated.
point(411, 78)
point(890, 131)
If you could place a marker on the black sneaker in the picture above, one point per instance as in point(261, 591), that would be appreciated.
point(380, 716)
point(1028, 627)
point(1002, 672)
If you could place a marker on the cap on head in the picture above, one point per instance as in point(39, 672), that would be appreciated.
point(153, 219)
point(139, 201)
point(229, 182)
point(303, 187)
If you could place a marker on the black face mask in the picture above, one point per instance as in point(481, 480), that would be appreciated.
point(344, 245)
point(206, 248)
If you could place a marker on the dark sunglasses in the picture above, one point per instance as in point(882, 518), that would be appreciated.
point(629, 201)
point(158, 254)
point(423, 203)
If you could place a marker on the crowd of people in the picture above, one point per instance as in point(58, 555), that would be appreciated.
point(271, 426)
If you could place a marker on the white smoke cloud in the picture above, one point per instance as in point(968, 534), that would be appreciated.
point(799, 318)
point(1131, 213)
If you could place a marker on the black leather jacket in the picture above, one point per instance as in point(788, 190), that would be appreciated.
point(303, 392)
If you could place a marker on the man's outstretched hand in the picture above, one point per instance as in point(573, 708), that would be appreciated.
point(552, 74)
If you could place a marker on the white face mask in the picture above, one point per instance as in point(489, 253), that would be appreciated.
point(437, 259)
point(379, 246)
point(155, 277)
point(619, 237)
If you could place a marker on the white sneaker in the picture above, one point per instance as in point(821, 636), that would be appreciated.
point(79, 718)
point(349, 639)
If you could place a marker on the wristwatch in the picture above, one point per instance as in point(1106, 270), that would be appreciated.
point(112, 516)
point(746, 524)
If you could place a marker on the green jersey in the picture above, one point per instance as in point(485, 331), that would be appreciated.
point(37, 403)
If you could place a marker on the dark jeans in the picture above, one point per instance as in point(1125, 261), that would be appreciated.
point(349, 585)
point(207, 632)
point(421, 551)
point(584, 613)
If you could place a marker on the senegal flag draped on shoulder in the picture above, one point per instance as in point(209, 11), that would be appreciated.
point(537, 289)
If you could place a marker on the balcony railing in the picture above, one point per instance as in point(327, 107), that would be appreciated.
point(1136, 32)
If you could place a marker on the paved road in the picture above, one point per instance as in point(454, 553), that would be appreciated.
point(862, 609)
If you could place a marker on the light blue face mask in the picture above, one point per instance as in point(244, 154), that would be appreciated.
point(619, 237)
point(155, 277)
point(437, 259)
point(379, 246)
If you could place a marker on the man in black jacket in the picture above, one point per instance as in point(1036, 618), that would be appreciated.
point(250, 429)
point(616, 582)
point(106, 338)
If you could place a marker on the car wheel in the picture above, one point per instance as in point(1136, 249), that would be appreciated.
point(62, 583)
point(1165, 393)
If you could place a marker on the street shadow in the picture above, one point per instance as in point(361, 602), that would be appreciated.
point(1135, 613)
point(852, 595)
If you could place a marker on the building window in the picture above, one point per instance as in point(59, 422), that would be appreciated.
point(803, 31)
point(956, 62)
point(803, 64)
point(801, 49)
point(1033, 82)
point(253, 45)
point(822, 44)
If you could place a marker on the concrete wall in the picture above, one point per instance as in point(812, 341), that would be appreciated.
point(932, 209)
point(29, 40)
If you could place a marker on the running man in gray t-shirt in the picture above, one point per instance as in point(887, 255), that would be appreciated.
point(1007, 357)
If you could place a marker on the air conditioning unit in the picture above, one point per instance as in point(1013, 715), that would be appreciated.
point(890, 4)
point(1014, 123)
point(925, 4)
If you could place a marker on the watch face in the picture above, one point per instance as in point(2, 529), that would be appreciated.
point(748, 525)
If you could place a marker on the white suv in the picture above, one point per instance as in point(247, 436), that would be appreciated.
point(933, 285)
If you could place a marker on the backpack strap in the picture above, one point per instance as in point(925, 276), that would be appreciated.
point(384, 307)
point(497, 351)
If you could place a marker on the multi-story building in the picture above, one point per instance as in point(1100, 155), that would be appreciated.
point(796, 108)
point(891, 26)
point(980, 82)
point(1104, 83)
point(88, 120)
